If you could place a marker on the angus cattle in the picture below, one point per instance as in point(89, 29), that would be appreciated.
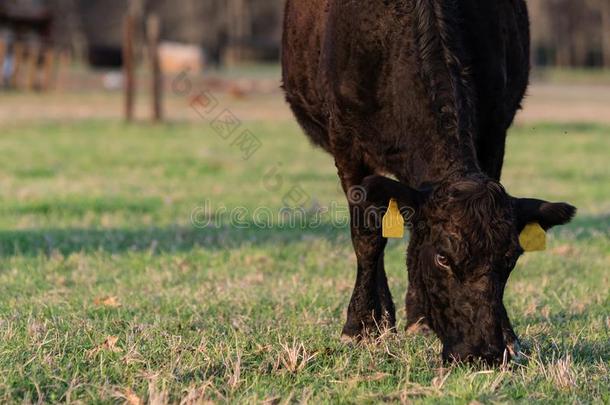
point(424, 91)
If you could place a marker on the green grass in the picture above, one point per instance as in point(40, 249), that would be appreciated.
point(96, 241)
point(596, 76)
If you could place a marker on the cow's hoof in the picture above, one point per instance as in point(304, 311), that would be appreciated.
point(516, 354)
point(419, 328)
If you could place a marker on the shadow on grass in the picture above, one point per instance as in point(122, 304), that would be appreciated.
point(583, 350)
point(32, 242)
point(591, 351)
point(587, 226)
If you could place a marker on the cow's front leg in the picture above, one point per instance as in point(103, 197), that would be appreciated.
point(416, 301)
point(510, 337)
point(371, 308)
point(417, 320)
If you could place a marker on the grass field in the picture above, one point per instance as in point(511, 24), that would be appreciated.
point(109, 293)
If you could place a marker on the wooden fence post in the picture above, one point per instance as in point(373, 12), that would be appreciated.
point(18, 50)
point(605, 12)
point(48, 69)
point(62, 70)
point(153, 31)
point(33, 57)
point(2, 55)
point(128, 65)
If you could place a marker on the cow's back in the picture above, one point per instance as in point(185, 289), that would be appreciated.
point(304, 28)
point(337, 62)
point(380, 70)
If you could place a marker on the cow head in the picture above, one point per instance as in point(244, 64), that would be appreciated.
point(464, 245)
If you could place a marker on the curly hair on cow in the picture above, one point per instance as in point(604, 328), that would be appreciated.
point(477, 205)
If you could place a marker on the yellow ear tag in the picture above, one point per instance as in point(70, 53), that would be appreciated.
point(533, 238)
point(393, 222)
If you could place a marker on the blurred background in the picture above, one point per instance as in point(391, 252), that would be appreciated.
point(233, 46)
point(567, 33)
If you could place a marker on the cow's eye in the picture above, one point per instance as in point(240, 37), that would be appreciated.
point(442, 261)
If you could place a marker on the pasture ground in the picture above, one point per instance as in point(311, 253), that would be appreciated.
point(112, 289)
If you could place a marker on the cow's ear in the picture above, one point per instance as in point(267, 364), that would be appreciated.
point(380, 189)
point(547, 214)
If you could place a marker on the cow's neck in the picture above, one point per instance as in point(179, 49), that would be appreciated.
point(448, 160)
point(442, 67)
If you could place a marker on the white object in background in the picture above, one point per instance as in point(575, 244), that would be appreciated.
point(113, 81)
point(176, 57)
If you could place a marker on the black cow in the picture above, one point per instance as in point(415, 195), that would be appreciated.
point(423, 90)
